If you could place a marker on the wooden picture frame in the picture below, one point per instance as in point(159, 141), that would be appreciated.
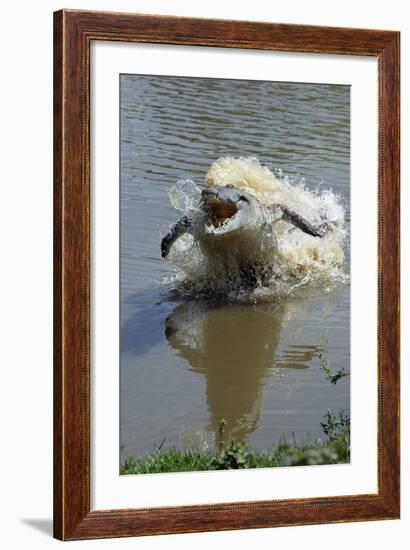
point(74, 32)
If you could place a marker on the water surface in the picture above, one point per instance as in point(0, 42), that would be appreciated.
point(185, 365)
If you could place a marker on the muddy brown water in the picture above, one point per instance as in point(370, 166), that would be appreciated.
point(185, 365)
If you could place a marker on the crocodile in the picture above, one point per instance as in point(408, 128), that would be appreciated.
point(233, 227)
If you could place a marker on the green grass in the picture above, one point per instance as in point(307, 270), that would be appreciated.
point(334, 450)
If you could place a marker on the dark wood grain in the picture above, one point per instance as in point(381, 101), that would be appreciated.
point(73, 33)
point(58, 274)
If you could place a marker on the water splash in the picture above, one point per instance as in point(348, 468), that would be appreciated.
point(185, 196)
point(298, 262)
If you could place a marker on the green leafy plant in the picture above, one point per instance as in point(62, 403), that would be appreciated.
point(337, 429)
point(294, 456)
point(332, 376)
point(232, 457)
point(336, 426)
point(222, 424)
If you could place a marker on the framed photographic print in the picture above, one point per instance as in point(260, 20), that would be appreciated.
point(226, 275)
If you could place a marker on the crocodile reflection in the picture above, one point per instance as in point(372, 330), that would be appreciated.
point(235, 347)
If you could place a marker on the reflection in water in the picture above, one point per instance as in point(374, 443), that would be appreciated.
point(235, 347)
